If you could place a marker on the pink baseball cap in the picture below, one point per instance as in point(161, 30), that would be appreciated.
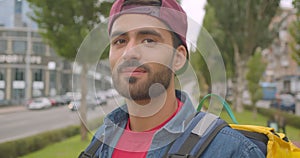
point(169, 12)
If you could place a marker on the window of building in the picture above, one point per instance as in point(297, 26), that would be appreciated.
point(38, 75)
point(2, 83)
point(2, 74)
point(19, 47)
point(38, 48)
point(18, 6)
point(67, 65)
point(3, 46)
point(19, 74)
point(16, 33)
point(35, 34)
point(2, 33)
point(18, 95)
point(52, 79)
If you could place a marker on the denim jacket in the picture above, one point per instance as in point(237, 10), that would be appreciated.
point(227, 143)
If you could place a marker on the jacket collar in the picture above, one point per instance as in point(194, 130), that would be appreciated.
point(177, 124)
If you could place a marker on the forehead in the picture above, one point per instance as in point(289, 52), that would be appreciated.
point(129, 22)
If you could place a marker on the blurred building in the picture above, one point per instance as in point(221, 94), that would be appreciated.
point(28, 66)
point(282, 69)
point(14, 13)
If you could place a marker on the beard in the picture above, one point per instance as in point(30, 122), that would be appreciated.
point(142, 89)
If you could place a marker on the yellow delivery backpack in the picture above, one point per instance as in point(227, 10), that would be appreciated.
point(273, 144)
point(277, 146)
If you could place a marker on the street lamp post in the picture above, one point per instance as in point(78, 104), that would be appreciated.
point(27, 65)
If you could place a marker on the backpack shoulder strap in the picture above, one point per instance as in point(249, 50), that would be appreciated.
point(193, 142)
point(211, 137)
point(91, 150)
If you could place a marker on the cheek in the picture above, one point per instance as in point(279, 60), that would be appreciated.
point(155, 67)
point(161, 60)
point(162, 54)
point(113, 59)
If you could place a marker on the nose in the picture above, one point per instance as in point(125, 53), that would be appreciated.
point(132, 51)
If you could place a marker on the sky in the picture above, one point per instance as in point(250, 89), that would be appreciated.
point(195, 12)
point(286, 3)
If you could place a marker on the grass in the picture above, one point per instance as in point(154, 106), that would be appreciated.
point(72, 147)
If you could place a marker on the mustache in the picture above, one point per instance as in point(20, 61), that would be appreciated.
point(132, 63)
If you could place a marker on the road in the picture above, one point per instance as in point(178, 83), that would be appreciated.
point(30, 122)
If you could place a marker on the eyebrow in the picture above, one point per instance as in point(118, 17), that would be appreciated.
point(149, 32)
point(117, 33)
point(140, 32)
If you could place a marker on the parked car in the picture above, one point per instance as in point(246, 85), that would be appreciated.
point(58, 100)
point(285, 102)
point(70, 96)
point(92, 103)
point(74, 105)
point(39, 103)
point(109, 93)
point(112, 93)
point(297, 96)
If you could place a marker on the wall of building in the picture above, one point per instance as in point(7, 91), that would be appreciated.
point(29, 67)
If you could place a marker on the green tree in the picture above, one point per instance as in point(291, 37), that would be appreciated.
point(295, 33)
point(64, 24)
point(246, 27)
point(211, 26)
point(256, 68)
point(201, 70)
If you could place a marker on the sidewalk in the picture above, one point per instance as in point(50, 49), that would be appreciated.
point(10, 109)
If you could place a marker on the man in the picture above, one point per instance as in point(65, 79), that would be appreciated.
point(147, 48)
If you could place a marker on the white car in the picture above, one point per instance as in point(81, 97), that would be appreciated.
point(112, 93)
point(92, 103)
point(297, 96)
point(39, 103)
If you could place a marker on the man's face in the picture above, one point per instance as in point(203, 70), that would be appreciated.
point(141, 55)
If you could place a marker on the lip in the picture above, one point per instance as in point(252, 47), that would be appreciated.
point(133, 71)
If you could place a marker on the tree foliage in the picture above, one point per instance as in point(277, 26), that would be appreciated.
point(246, 26)
point(201, 70)
point(246, 23)
point(210, 23)
point(256, 68)
point(65, 23)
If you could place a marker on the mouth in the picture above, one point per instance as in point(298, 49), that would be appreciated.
point(133, 71)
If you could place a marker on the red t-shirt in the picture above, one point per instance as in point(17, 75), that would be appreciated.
point(136, 144)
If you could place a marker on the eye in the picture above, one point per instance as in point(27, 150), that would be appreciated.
point(148, 41)
point(118, 41)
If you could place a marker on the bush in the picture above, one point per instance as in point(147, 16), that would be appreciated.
point(291, 120)
point(30, 144)
point(27, 145)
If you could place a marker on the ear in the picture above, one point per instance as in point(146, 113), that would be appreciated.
point(179, 58)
